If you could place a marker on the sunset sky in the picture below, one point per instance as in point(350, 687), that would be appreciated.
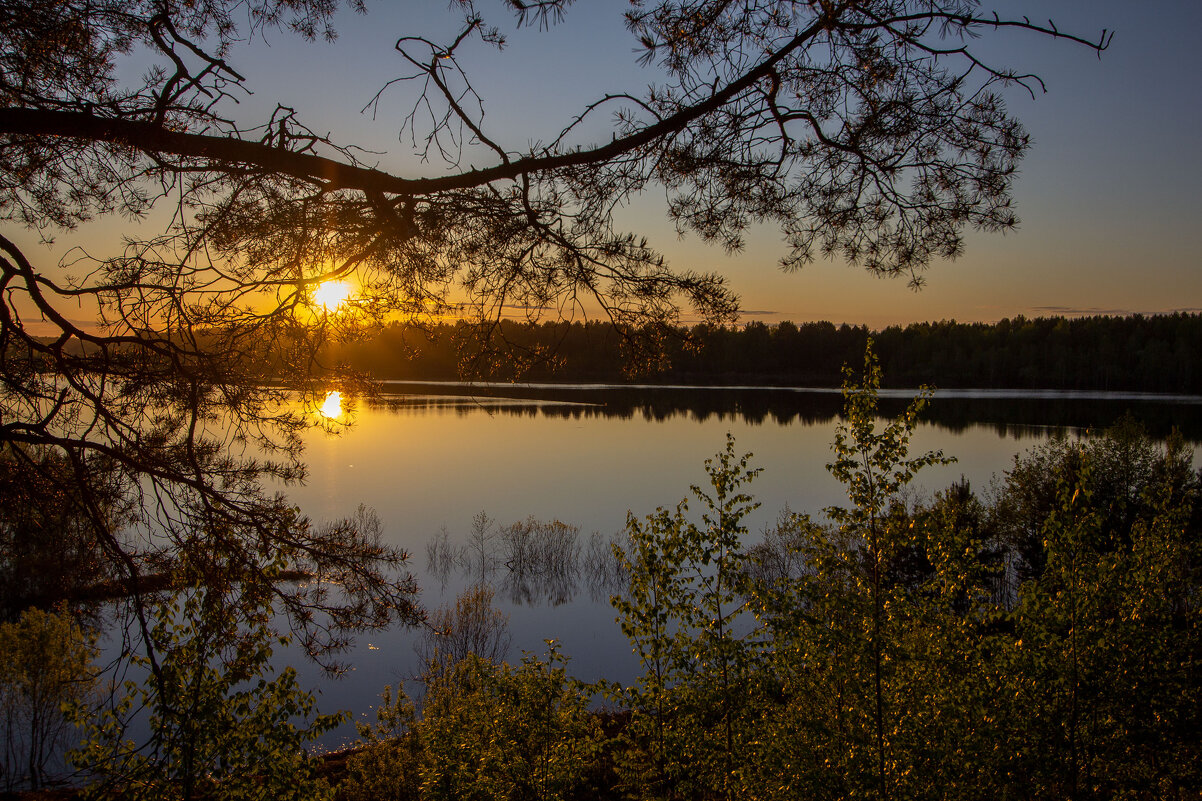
point(1108, 195)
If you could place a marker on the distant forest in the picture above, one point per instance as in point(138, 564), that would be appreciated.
point(1160, 353)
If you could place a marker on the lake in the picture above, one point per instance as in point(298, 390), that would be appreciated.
point(432, 456)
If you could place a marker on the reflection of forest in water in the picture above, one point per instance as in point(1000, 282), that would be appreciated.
point(1006, 413)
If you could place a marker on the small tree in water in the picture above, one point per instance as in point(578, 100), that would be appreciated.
point(472, 627)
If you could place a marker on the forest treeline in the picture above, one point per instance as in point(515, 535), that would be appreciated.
point(1136, 353)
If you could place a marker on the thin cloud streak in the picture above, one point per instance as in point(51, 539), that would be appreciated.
point(1094, 311)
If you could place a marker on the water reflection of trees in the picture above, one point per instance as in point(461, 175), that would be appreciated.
point(49, 554)
point(471, 626)
point(529, 562)
point(1007, 416)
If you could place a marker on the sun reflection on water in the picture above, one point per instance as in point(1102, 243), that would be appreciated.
point(332, 406)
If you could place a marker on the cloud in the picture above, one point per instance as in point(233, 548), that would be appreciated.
point(42, 328)
point(1095, 311)
point(1081, 311)
point(524, 307)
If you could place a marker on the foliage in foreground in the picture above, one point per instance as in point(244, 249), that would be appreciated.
point(219, 726)
point(1043, 643)
point(47, 662)
point(487, 731)
point(686, 611)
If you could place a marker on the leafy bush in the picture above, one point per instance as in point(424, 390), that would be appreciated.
point(47, 663)
point(493, 731)
point(386, 765)
point(220, 728)
point(1042, 643)
point(686, 613)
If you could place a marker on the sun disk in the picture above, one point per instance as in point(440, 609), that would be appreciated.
point(331, 294)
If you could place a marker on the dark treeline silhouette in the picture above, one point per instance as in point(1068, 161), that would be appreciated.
point(1135, 353)
point(1003, 413)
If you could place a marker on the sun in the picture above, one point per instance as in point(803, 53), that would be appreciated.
point(331, 294)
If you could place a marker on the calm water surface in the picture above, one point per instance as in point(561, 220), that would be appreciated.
point(429, 457)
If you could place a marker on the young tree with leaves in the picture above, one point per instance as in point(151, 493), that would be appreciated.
point(1105, 648)
point(879, 624)
point(874, 467)
point(219, 725)
point(686, 613)
point(506, 731)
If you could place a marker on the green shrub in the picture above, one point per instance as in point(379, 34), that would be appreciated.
point(47, 662)
point(220, 727)
point(492, 731)
point(387, 762)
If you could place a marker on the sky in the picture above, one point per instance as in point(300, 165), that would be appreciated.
point(1111, 215)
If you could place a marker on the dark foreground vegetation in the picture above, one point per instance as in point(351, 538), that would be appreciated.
point(1136, 353)
point(1039, 641)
